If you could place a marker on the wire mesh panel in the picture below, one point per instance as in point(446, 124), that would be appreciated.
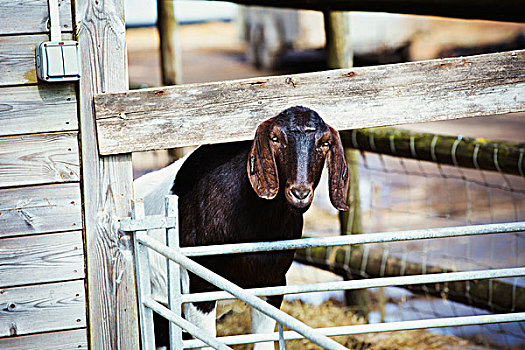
point(405, 193)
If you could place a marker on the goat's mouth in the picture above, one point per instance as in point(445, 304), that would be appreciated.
point(299, 197)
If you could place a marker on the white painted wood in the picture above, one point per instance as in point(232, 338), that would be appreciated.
point(43, 258)
point(65, 340)
point(347, 99)
point(107, 181)
point(38, 108)
point(17, 58)
point(31, 16)
point(42, 308)
point(40, 209)
point(39, 159)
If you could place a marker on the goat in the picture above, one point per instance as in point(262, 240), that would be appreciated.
point(248, 191)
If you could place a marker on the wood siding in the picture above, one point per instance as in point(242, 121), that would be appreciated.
point(17, 58)
point(38, 108)
point(42, 262)
point(67, 340)
point(41, 259)
point(35, 16)
point(40, 209)
point(353, 98)
point(39, 159)
point(42, 308)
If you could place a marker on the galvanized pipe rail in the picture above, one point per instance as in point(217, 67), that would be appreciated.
point(362, 284)
point(370, 328)
point(141, 223)
point(364, 238)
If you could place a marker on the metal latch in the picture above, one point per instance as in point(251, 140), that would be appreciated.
point(57, 60)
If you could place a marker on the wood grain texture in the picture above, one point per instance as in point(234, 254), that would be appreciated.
point(38, 108)
point(17, 58)
point(65, 340)
point(31, 16)
point(353, 98)
point(107, 182)
point(40, 209)
point(504, 10)
point(42, 308)
point(39, 159)
point(39, 259)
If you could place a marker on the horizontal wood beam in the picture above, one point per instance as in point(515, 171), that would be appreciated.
point(186, 115)
point(504, 10)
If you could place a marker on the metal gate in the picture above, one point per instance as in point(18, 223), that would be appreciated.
point(179, 258)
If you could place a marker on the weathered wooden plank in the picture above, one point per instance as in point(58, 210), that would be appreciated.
point(346, 98)
point(65, 340)
point(31, 16)
point(40, 209)
point(505, 10)
point(42, 308)
point(107, 182)
point(38, 108)
point(17, 58)
point(38, 259)
point(39, 159)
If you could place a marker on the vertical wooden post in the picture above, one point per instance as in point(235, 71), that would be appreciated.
point(339, 55)
point(339, 52)
point(170, 58)
point(169, 43)
point(106, 182)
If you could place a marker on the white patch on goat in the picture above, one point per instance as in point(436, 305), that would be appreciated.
point(205, 321)
point(153, 187)
point(262, 324)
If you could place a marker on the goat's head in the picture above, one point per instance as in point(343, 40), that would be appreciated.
point(289, 151)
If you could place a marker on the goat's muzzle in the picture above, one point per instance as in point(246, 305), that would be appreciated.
point(299, 196)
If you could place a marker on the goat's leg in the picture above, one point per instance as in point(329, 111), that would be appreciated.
point(264, 324)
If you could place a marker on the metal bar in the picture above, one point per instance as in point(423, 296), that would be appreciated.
point(149, 222)
point(142, 267)
point(361, 284)
point(240, 293)
point(371, 328)
point(363, 238)
point(204, 337)
point(174, 290)
point(280, 329)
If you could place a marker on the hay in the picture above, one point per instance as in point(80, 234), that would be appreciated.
point(331, 314)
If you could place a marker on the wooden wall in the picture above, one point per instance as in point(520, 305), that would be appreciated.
point(42, 286)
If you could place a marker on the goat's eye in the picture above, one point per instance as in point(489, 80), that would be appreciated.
point(274, 139)
point(325, 144)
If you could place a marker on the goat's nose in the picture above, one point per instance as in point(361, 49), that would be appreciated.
point(300, 192)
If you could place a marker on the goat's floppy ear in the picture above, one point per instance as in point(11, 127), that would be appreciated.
point(337, 172)
point(261, 167)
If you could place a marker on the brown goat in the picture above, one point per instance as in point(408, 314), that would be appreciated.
point(251, 192)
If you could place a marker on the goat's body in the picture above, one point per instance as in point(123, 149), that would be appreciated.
point(246, 192)
point(218, 206)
